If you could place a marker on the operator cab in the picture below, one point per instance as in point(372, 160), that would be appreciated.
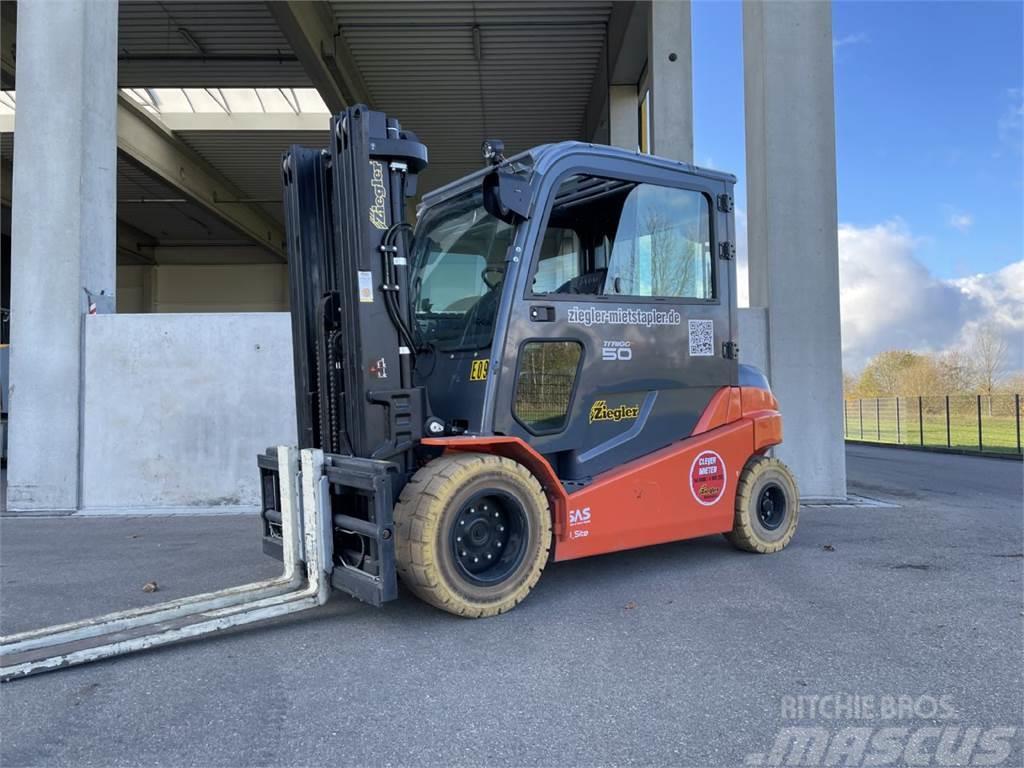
point(579, 297)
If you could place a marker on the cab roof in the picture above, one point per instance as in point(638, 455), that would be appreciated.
point(541, 158)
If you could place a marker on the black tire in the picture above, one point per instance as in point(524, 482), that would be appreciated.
point(767, 507)
point(472, 534)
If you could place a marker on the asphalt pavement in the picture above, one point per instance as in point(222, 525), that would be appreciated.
point(687, 654)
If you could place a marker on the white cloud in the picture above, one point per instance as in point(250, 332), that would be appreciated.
point(960, 221)
point(890, 300)
point(846, 40)
point(1000, 294)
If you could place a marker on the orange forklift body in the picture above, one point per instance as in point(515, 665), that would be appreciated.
point(682, 491)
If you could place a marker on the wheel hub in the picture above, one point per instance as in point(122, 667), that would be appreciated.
point(771, 507)
point(488, 537)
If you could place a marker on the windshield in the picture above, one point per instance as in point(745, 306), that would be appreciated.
point(458, 272)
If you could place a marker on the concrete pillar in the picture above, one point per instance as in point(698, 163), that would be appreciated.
point(623, 117)
point(792, 229)
point(670, 74)
point(63, 236)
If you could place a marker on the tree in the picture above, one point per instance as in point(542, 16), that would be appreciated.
point(956, 372)
point(885, 372)
point(988, 356)
point(1013, 385)
point(850, 386)
point(920, 377)
point(671, 268)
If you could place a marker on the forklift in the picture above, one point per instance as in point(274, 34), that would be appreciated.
point(544, 368)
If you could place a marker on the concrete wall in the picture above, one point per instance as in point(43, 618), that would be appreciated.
point(176, 408)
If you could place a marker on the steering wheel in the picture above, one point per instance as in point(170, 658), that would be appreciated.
point(500, 271)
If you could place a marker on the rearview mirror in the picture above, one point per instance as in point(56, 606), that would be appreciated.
point(506, 196)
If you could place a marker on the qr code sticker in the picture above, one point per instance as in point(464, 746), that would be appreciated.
point(702, 338)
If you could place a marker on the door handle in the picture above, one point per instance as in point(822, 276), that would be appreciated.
point(542, 314)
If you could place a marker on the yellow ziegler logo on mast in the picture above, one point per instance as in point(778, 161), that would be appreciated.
point(379, 209)
point(600, 411)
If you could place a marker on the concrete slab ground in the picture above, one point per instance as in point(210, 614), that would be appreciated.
point(680, 655)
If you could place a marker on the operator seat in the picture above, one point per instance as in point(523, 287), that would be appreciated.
point(591, 283)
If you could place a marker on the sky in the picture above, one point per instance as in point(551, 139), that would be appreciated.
point(929, 164)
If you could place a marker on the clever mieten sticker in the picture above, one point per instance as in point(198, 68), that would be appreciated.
point(707, 478)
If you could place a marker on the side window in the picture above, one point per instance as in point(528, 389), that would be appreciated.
point(547, 371)
point(663, 245)
point(558, 261)
point(610, 237)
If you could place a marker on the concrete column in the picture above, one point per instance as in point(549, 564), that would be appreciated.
point(63, 236)
point(670, 73)
point(623, 117)
point(792, 229)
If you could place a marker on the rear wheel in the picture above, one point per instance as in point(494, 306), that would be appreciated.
point(472, 533)
point(767, 507)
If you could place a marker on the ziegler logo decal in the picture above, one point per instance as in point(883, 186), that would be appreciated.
point(707, 478)
point(478, 370)
point(600, 411)
point(379, 208)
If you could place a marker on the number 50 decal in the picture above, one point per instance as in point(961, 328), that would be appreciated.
point(616, 350)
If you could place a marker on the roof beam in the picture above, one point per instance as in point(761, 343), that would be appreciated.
point(243, 121)
point(321, 48)
point(158, 150)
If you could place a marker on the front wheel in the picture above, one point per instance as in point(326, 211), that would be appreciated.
point(767, 507)
point(472, 533)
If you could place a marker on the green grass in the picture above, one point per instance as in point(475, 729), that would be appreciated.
point(998, 426)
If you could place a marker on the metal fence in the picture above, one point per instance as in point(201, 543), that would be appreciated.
point(981, 423)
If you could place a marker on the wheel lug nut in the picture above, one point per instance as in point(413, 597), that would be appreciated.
point(488, 555)
point(501, 527)
point(499, 543)
point(458, 538)
point(463, 554)
point(476, 559)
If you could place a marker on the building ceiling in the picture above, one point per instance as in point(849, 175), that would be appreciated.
point(203, 44)
point(459, 72)
point(252, 159)
point(158, 210)
point(453, 71)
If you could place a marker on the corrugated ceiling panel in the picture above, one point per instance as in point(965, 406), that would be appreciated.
point(163, 220)
point(251, 159)
point(239, 45)
point(529, 86)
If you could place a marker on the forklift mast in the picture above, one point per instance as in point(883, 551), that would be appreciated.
point(348, 270)
point(355, 399)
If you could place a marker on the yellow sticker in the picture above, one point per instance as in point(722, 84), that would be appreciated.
point(600, 411)
point(478, 370)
